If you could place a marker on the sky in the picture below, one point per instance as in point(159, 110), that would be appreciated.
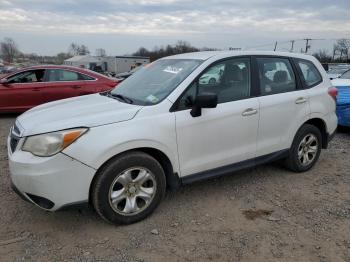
point(47, 27)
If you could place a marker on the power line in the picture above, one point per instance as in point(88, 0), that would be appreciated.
point(275, 44)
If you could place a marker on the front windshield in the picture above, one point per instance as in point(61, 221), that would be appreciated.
point(155, 81)
point(346, 75)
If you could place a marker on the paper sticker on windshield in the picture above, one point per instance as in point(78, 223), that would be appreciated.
point(152, 99)
point(172, 69)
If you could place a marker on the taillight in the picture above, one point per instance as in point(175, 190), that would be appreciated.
point(333, 92)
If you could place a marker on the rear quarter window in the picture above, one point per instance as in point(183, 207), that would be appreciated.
point(309, 73)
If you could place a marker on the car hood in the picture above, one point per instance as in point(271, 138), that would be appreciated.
point(123, 74)
point(84, 111)
point(334, 76)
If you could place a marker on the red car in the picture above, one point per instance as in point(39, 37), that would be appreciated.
point(32, 86)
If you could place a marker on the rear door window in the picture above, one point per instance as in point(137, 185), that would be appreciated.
point(276, 75)
point(310, 74)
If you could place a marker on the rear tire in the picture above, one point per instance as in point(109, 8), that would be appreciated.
point(305, 149)
point(128, 188)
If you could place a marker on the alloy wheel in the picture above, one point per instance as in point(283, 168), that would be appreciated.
point(132, 191)
point(307, 149)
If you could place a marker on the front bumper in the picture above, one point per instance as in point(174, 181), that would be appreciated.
point(50, 182)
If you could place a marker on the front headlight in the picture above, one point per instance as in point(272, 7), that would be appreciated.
point(51, 143)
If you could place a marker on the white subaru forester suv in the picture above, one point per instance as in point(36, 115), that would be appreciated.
point(162, 127)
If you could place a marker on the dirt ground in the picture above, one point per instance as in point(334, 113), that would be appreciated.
point(263, 214)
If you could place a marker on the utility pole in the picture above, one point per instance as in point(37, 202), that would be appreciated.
point(292, 48)
point(307, 46)
point(275, 46)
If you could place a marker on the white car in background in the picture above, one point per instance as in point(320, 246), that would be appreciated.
point(162, 127)
point(212, 77)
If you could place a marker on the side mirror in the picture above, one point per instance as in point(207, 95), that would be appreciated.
point(204, 100)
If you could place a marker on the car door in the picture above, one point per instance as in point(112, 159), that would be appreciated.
point(223, 135)
point(283, 104)
point(22, 90)
point(62, 84)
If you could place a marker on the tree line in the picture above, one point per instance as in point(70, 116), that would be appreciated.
point(10, 52)
point(340, 53)
point(179, 48)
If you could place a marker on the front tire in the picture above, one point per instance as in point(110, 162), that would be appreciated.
point(305, 150)
point(128, 188)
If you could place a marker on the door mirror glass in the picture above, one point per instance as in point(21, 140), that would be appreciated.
point(204, 100)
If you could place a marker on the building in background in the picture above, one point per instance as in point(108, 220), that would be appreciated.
point(86, 61)
point(121, 64)
point(111, 64)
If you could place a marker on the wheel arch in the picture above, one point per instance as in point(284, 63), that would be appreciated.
point(321, 125)
point(172, 178)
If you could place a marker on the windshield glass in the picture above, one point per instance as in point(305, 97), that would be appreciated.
point(346, 75)
point(155, 81)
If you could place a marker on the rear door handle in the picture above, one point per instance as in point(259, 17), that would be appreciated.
point(76, 87)
point(301, 100)
point(35, 89)
point(249, 112)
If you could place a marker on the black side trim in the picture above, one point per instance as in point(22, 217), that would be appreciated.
point(227, 170)
point(75, 205)
point(328, 138)
point(173, 181)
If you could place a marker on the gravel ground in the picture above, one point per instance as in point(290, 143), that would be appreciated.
point(262, 214)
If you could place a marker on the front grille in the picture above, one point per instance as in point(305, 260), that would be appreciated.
point(13, 142)
point(16, 129)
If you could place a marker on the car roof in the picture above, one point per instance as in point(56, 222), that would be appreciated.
point(66, 67)
point(54, 67)
point(204, 55)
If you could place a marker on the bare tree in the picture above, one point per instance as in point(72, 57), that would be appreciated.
point(344, 47)
point(9, 49)
point(60, 57)
point(323, 56)
point(158, 52)
point(76, 49)
point(100, 52)
point(84, 50)
point(73, 49)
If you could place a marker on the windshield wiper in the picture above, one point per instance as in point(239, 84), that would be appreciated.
point(121, 97)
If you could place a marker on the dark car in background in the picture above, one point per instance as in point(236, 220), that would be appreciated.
point(32, 86)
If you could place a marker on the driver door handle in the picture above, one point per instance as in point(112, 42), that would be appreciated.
point(301, 100)
point(76, 87)
point(249, 112)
